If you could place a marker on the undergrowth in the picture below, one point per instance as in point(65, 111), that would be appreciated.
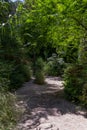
point(9, 113)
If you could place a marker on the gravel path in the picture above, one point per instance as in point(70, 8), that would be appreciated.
point(46, 108)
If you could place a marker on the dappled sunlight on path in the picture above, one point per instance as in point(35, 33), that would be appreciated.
point(46, 108)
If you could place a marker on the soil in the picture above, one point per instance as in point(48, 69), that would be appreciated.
point(45, 108)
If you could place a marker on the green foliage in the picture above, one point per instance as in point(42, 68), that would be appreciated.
point(39, 71)
point(38, 21)
point(71, 53)
point(39, 77)
point(5, 71)
point(12, 54)
point(9, 114)
point(54, 66)
point(83, 97)
point(39, 64)
point(19, 75)
point(12, 76)
point(4, 11)
point(76, 83)
point(40, 28)
point(73, 82)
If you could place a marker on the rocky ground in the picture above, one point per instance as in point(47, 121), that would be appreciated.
point(46, 108)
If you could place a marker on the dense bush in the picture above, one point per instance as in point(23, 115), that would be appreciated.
point(83, 97)
point(76, 83)
point(19, 75)
point(12, 76)
point(9, 113)
point(54, 66)
point(5, 71)
point(73, 82)
point(39, 71)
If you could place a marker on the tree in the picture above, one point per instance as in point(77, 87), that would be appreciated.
point(38, 19)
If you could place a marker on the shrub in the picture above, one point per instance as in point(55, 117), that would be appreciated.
point(54, 66)
point(83, 97)
point(39, 77)
point(5, 71)
point(73, 82)
point(27, 72)
point(19, 75)
point(75, 77)
point(12, 76)
point(39, 71)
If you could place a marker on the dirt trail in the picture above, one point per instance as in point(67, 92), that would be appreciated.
point(46, 108)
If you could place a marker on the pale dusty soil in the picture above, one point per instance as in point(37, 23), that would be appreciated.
point(46, 108)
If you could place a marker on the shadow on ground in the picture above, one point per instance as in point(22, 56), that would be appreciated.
point(44, 101)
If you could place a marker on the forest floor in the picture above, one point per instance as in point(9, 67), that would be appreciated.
point(47, 109)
